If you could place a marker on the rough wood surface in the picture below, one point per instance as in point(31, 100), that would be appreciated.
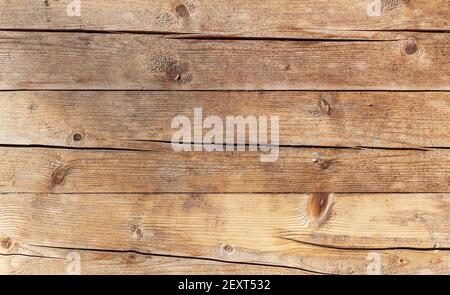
point(163, 170)
point(321, 233)
point(131, 61)
point(281, 18)
point(86, 165)
point(58, 262)
point(133, 119)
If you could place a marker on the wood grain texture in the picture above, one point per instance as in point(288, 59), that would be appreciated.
point(133, 119)
point(318, 233)
point(58, 262)
point(163, 170)
point(132, 61)
point(86, 165)
point(282, 18)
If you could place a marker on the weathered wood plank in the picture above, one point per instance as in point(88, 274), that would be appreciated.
point(61, 262)
point(133, 61)
point(282, 18)
point(163, 170)
point(337, 233)
point(130, 119)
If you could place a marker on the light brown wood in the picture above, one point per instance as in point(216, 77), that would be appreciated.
point(282, 18)
point(336, 233)
point(60, 262)
point(87, 168)
point(131, 119)
point(163, 170)
point(133, 61)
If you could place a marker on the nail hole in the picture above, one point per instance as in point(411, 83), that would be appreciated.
point(181, 10)
point(411, 47)
point(77, 137)
point(228, 248)
point(7, 243)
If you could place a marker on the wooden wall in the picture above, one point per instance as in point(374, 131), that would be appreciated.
point(86, 164)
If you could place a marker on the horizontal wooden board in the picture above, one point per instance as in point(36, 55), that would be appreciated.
point(163, 170)
point(335, 233)
point(34, 60)
point(282, 18)
point(132, 119)
point(62, 262)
